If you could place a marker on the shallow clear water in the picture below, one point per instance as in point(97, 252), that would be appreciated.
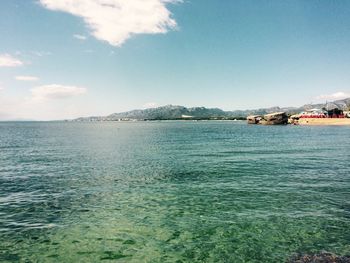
point(172, 192)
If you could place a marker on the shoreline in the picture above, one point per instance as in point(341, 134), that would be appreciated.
point(324, 121)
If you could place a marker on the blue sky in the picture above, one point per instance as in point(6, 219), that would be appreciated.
point(70, 58)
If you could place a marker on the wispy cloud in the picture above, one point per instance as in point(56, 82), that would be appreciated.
point(80, 37)
point(26, 78)
point(56, 91)
point(7, 60)
point(335, 96)
point(41, 53)
point(115, 21)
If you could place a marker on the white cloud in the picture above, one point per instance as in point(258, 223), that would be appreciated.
point(27, 78)
point(115, 21)
point(150, 105)
point(55, 91)
point(335, 96)
point(80, 37)
point(7, 60)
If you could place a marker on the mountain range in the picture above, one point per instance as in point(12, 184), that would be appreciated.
point(173, 112)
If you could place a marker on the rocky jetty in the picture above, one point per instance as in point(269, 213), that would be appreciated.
point(254, 119)
point(276, 118)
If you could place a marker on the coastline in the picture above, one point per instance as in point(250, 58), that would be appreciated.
point(324, 121)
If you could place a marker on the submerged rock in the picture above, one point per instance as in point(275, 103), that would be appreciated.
point(324, 257)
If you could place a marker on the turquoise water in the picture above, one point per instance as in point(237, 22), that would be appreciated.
point(172, 192)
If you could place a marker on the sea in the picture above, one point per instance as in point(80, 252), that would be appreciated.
point(172, 191)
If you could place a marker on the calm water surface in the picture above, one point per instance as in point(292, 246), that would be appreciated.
point(172, 192)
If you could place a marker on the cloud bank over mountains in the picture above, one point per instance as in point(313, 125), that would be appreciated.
point(115, 21)
point(334, 96)
point(56, 91)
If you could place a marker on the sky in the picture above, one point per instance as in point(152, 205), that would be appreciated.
point(61, 59)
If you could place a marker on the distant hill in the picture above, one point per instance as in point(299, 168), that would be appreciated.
point(168, 112)
point(172, 112)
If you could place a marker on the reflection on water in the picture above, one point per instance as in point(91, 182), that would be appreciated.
point(172, 192)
